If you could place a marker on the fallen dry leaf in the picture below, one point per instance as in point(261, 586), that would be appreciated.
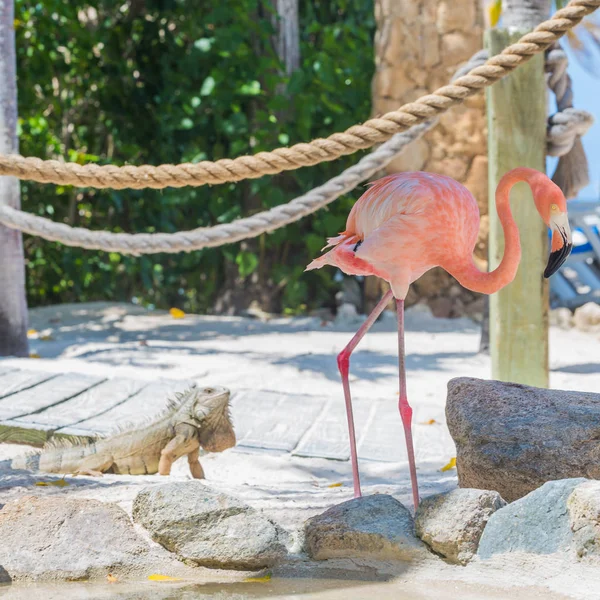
point(31, 332)
point(451, 464)
point(46, 338)
point(262, 579)
point(56, 483)
point(156, 577)
point(34, 355)
point(430, 422)
point(176, 313)
point(111, 578)
point(332, 485)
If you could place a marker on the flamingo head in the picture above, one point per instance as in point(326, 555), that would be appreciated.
point(552, 206)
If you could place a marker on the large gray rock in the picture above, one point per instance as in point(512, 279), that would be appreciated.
point(536, 524)
point(451, 523)
point(376, 527)
point(207, 527)
point(513, 438)
point(584, 519)
point(58, 538)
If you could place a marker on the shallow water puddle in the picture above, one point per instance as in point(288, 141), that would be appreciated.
point(276, 588)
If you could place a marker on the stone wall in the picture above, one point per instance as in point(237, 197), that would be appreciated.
point(419, 44)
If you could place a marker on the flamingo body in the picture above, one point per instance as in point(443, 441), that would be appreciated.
point(404, 225)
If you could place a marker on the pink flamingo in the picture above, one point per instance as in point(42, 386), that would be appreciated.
point(408, 223)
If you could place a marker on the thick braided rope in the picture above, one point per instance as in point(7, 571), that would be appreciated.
point(186, 241)
point(355, 138)
point(568, 123)
point(566, 127)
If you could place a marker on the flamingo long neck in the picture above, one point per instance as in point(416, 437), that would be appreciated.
point(469, 275)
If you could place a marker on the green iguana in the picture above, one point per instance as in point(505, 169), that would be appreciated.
point(197, 418)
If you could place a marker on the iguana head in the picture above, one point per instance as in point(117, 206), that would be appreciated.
point(210, 410)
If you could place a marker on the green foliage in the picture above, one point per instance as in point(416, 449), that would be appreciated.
point(169, 81)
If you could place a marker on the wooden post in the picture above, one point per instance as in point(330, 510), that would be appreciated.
point(517, 116)
point(13, 307)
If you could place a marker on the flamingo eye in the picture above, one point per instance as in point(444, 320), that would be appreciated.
point(554, 207)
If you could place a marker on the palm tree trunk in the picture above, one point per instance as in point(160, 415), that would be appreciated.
point(13, 305)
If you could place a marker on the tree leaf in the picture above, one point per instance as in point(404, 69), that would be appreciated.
point(262, 579)
point(54, 483)
point(247, 263)
point(451, 465)
point(176, 313)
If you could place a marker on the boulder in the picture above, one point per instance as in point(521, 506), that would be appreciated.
point(58, 538)
point(513, 438)
point(375, 527)
point(561, 317)
point(207, 527)
point(587, 317)
point(561, 517)
point(584, 519)
point(536, 524)
point(451, 523)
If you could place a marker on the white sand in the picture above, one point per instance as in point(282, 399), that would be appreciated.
point(298, 356)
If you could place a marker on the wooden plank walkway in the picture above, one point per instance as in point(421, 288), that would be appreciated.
point(35, 406)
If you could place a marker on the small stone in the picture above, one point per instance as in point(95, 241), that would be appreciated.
point(561, 317)
point(587, 317)
point(373, 527)
point(451, 524)
point(412, 158)
point(513, 438)
point(458, 47)
point(430, 49)
point(536, 524)
point(347, 314)
point(58, 539)
point(584, 519)
point(455, 167)
point(455, 15)
point(207, 527)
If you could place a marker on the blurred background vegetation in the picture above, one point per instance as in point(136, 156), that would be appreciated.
point(170, 81)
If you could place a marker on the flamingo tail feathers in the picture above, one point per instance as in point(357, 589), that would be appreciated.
point(329, 258)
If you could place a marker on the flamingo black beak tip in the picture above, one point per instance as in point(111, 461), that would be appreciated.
point(560, 226)
point(557, 259)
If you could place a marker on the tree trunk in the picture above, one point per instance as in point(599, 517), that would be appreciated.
point(13, 305)
point(288, 34)
point(258, 290)
point(419, 44)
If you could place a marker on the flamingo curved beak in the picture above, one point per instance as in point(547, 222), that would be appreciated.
point(562, 243)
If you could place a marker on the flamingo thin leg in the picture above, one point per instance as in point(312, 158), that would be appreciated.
point(343, 360)
point(405, 409)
